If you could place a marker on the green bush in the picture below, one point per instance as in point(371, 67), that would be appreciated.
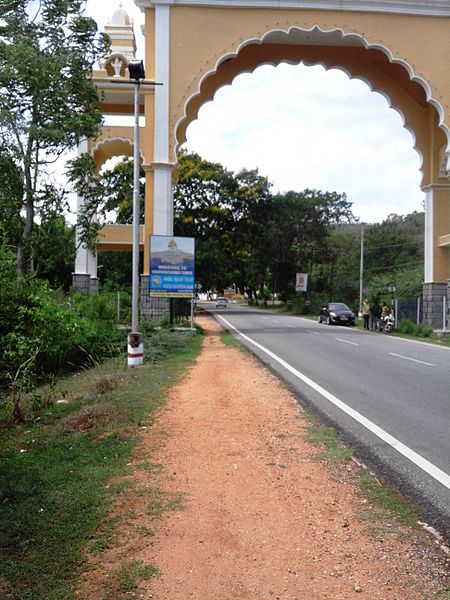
point(147, 326)
point(45, 332)
point(424, 331)
point(101, 306)
point(165, 322)
point(317, 301)
point(298, 303)
point(407, 326)
point(163, 343)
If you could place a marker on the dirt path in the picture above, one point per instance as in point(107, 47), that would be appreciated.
point(252, 514)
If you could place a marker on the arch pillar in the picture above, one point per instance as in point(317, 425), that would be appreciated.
point(84, 278)
point(163, 198)
point(159, 180)
point(436, 285)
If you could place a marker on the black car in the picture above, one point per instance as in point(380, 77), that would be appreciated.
point(336, 313)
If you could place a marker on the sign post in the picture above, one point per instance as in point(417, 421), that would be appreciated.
point(301, 282)
point(172, 268)
point(392, 289)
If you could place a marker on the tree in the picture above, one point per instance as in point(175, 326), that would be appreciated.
point(255, 207)
point(393, 251)
point(11, 190)
point(298, 232)
point(247, 236)
point(110, 191)
point(117, 186)
point(203, 201)
point(47, 100)
point(223, 212)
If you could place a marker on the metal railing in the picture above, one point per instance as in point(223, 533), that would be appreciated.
point(419, 310)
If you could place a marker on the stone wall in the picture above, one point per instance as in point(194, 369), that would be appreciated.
point(85, 283)
point(433, 294)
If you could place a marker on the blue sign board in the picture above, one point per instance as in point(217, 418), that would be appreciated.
point(172, 266)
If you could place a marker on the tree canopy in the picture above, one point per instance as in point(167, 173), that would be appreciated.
point(254, 240)
point(244, 233)
point(48, 103)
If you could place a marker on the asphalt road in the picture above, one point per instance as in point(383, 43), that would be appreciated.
point(389, 397)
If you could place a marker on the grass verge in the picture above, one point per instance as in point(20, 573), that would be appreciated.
point(54, 470)
point(126, 579)
point(386, 507)
point(230, 340)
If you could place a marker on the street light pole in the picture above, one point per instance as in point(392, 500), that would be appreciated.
point(136, 200)
point(136, 69)
point(135, 340)
point(361, 269)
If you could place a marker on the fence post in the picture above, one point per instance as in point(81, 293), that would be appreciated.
point(444, 313)
point(118, 307)
point(396, 312)
point(192, 313)
point(418, 312)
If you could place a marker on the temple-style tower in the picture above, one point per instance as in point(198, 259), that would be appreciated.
point(113, 81)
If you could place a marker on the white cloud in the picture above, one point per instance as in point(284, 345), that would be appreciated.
point(307, 127)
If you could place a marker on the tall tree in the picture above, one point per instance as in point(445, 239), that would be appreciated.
point(117, 188)
point(204, 198)
point(223, 211)
point(47, 100)
point(298, 232)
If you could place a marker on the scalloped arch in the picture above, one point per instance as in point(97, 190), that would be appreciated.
point(113, 146)
point(300, 35)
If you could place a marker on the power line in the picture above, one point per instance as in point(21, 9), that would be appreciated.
point(406, 243)
point(386, 267)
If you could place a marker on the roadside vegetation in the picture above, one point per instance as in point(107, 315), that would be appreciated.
point(58, 466)
point(251, 240)
point(385, 508)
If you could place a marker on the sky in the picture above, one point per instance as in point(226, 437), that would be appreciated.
point(305, 127)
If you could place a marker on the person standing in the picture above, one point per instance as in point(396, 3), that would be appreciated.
point(375, 312)
point(365, 309)
point(385, 310)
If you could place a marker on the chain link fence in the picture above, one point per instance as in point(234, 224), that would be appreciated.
point(417, 309)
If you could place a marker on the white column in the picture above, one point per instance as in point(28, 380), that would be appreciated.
point(429, 237)
point(85, 260)
point(163, 211)
point(163, 194)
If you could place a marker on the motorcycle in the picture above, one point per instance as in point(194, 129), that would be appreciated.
point(386, 323)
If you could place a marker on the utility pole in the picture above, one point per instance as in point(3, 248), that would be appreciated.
point(361, 268)
point(135, 339)
point(136, 69)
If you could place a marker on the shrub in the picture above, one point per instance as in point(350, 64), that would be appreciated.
point(298, 303)
point(424, 331)
point(165, 322)
point(44, 332)
point(163, 343)
point(407, 326)
point(101, 306)
point(147, 326)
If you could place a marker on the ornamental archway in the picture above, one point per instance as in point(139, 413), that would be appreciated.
point(398, 48)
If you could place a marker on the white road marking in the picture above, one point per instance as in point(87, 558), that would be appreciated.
point(422, 362)
point(315, 333)
point(421, 462)
point(292, 326)
point(347, 342)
